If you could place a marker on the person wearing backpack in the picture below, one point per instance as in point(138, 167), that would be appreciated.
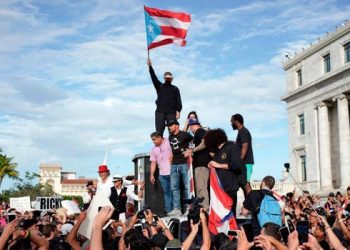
point(263, 206)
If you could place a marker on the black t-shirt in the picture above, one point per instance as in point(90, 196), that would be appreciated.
point(252, 203)
point(179, 144)
point(244, 136)
point(202, 157)
point(229, 154)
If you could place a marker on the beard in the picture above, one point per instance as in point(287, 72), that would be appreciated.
point(168, 81)
point(234, 126)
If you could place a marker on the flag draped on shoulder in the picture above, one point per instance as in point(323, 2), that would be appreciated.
point(165, 27)
point(221, 218)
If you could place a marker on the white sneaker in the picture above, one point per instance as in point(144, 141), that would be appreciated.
point(176, 212)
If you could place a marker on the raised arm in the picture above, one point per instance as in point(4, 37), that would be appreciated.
point(165, 229)
point(156, 82)
point(100, 220)
point(188, 241)
point(205, 232)
point(332, 238)
point(9, 229)
point(72, 236)
point(130, 193)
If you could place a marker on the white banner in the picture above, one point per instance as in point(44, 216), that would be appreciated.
point(71, 206)
point(48, 203)
point(20, 203)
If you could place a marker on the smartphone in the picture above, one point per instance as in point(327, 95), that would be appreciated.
point(115, 215)
point(119, 230)
point(284, 231)
point(145, 226)
point(303, 231)
point(138, 227)
point(11, 217)
point(288, 222)
point(155, 217)
point(232, 233)
point(346, 213)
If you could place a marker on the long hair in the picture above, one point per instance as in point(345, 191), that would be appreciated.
point(192, 113)
point(214, 138)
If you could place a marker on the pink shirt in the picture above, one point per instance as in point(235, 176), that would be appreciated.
point(162, 154)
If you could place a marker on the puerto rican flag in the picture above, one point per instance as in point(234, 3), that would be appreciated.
point(221, 218)
point(165, 27)
point(190, 177)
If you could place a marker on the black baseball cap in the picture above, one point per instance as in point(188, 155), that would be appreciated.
point(172, 122)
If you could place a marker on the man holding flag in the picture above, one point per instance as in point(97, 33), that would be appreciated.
point(165, 27)
point(225, 169)
point(168, 101)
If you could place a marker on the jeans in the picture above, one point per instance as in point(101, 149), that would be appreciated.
point(165, 183)
point(178, 170)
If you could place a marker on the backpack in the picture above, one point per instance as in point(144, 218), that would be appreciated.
point(270, 211)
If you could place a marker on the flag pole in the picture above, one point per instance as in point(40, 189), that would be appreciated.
point(144, 8)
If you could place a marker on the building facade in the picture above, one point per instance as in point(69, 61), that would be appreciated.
point(318, 91)
point(63, 183)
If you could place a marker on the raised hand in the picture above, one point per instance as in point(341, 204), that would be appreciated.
point(102, 217)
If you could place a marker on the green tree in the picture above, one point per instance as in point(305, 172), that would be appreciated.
point(7, 168)
point(25, 187)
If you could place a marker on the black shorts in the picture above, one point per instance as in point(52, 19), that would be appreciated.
point(242, 178)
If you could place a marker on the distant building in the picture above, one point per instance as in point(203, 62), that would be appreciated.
point(63, 183)
point(318, 89)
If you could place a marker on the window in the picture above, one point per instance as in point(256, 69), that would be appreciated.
point(303, 167)
point(301, 124)
point(300, 77)
point(327, 63)
point(347, 52)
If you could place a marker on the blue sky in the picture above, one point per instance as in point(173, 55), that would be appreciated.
point(74, 80)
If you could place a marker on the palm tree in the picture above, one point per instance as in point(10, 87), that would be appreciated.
point(7, 168)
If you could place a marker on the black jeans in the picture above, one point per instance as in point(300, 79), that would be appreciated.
point(160, 120)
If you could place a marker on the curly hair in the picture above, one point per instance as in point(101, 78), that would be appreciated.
point(214, 138)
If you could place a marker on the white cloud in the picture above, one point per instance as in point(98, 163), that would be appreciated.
point(69, 90)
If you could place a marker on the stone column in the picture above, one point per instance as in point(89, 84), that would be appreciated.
point(325, 147)
point(316, 150)
point(344, 140)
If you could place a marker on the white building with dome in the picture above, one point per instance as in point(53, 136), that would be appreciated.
point(63, 183)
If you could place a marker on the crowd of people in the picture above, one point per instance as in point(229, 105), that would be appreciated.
point(266, 222)
point(305, 223)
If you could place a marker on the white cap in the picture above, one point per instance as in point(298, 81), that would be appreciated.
point(117, 177)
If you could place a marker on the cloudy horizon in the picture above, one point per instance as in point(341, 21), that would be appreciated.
point(74, 79)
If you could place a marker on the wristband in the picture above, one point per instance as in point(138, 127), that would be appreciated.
point(27, 234)
point(141, 189)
